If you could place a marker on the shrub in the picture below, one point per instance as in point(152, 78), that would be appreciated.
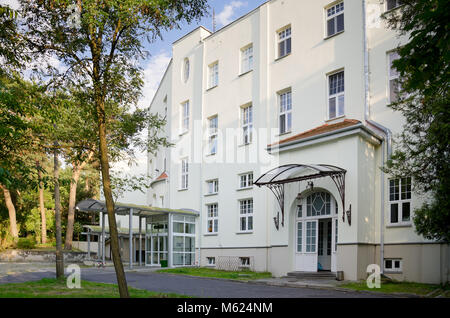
point(26, 243)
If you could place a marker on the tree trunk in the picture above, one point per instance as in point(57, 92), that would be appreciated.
point(76, 170)
point(114, 237)
point(42, 207)
point(12, 213)
point(59, 252)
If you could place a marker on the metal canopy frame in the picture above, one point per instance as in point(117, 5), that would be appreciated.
point(276, 178)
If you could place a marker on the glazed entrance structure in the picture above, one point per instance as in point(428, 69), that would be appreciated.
point(169, 236)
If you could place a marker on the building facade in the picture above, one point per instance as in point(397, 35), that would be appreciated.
point(302, 85)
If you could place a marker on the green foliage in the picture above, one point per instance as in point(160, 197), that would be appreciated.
point(423, 149)
point(26, 243)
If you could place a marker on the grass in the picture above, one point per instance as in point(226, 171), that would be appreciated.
point(211, 272)
point(400, 287)
point(53, 288)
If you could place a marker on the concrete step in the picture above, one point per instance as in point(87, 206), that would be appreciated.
point(312, 275)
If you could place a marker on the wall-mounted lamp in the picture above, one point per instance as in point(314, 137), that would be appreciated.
point(310, 185)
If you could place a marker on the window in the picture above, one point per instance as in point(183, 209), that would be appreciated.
point(336, 235)
point(311, 236)
point(284, 42)
point(186, 70)
point(184, 174)
point(246, 180)
point(213, 75)
point(212, 218)
point(318, 203)
point(393, 265)
point(400, 200)
point(299, 236)
point(299, 211)
point(211, 261)
point(285, 101)
point(392, 4)
point(335, 19)
point(336, 100)
point(212, 135)
point(244, 261)
point(246, 59)
point(213, 186)
point(247, 124)
point(246, 215)
point(329, 233)
point(184, 126)
point(394, 83)
point(320, 247)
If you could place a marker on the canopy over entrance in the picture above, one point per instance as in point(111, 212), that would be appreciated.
point(275, 180)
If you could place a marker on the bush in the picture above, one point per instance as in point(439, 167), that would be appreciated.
point(26, 243)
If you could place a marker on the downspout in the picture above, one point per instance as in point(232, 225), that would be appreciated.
point(387, 140)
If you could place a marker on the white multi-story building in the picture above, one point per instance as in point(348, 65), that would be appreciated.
point(279, 124)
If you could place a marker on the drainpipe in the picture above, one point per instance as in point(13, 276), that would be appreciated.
point(387, 140)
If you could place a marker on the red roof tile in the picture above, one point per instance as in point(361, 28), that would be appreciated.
point(326, 128)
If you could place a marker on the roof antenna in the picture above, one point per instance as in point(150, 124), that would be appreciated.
point(214, 21)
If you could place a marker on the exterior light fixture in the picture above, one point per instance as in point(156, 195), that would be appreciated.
point(310, 185)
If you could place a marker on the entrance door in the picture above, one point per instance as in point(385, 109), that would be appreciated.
point(307, 241)
point(324, 250)
point(158, 245)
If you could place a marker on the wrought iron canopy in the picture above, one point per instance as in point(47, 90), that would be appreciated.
point(275, 180)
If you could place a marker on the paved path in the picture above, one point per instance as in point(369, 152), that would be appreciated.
point(194, 286)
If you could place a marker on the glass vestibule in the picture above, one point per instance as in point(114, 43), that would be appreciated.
point(157, 243)
point(183, 240)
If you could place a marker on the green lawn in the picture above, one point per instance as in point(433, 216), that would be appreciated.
point(53, 288)
point(210, 272)
point(399, 287)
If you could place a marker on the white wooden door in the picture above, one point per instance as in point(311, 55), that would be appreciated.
point(311, 241)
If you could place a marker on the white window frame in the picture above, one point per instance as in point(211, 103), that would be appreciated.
point(332, 13)
point(339, 97)
point(394, 268)
point(246, 208)
point(185, 117)
point(284, 37)
point(393, 76)
point(211, 261)
point(309, 247)
point(212, 185)
point(246, 180)
point(398, 3)
point(285, 109)
point(404, 197)
point(184, 180)
point(247, 59)
point(212, 217)
point(244, 262)
point(300, 243)
point(247, 124)
point(213, 137)
point(213, 75)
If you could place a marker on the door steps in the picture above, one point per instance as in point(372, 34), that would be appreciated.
point(312, 275)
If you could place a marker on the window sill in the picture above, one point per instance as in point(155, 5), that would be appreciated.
point(211, 194)
point(335, 119)
point(183, 133)
point(244, 232)
point(211, 154)
point(244, 145)
point(282, 57)
point(211, 88)
point(332, 36)
point(243, 189)
point(403, 224)
point(284, 134)
point(387, 271)
point(211, 234)
point(244, 73)
point(181, 190)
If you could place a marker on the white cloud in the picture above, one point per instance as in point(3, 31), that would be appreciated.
point(226, 15)
point(153, 73)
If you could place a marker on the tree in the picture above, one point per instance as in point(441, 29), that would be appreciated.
point(100, 43)
point(423, 149)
